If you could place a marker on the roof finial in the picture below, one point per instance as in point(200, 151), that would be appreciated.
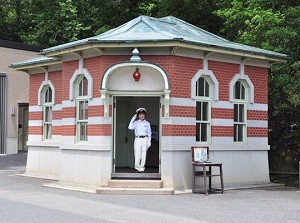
point(135, 55)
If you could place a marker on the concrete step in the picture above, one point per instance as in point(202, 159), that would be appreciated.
point(135, 183)
point(135, 191)
point(136, 176)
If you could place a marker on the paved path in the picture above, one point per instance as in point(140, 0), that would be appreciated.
point(24, 199)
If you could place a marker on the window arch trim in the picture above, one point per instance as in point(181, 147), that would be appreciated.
point(41, 91)
point(73, 81)
point(248, 84)
point(211, 78)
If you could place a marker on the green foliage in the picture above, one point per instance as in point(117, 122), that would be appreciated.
point(10, 20)
point(196, 12)
point(53, 22)
point(60, 23)
point(273, 25)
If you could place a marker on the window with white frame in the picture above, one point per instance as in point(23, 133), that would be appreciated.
point(47, 112)
point(240, 112)
point(82, 108)
point(203, 110)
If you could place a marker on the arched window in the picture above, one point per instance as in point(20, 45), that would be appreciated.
point(240, 111)
point(81, 108)
point(203, 110)
point(47, 112)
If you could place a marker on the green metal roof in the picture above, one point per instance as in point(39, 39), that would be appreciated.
point(32, 62)
point(148, 29)
point(144, 29)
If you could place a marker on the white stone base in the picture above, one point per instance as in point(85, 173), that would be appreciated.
point(43, 161)
point(94, 167)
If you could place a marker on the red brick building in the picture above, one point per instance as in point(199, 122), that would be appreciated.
point(198, 89)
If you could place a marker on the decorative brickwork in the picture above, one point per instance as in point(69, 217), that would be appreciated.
point(56, 78)
point(257, 132)
point(259, 77)
point(224, 73)
point(257, 115)
point(180, 71)
point(100, 130)
point(35, 130)
point(34, 85)
point(182, 111)
point(222, 131)
point(222, 113)
point(36, 116)
point(68, 130)
point(178, 130)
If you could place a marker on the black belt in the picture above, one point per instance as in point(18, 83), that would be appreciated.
point(141, 136)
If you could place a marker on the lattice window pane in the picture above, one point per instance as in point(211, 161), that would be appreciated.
point(48, 131)
point(48, 95)
point(48, 114)
point(205, 111)
point(241, 113)
point(197, 132)
point(202, 132)
point(83, 87)
point(238, 132)
point(198, 110)
point(202, 111)
point(202, 87)
point(83, 110)
point(83, 131)
point(239, 91)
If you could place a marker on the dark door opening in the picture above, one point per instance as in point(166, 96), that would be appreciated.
point(124, 109)
point(22, 126)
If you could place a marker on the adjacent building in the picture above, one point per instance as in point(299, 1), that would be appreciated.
point(14, 97)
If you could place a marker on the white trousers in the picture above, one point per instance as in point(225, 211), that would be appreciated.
point(140, 153)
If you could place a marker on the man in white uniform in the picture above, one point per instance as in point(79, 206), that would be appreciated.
point(142, 142)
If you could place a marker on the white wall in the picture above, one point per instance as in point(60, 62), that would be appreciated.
point(44, 161)
point(11, 145)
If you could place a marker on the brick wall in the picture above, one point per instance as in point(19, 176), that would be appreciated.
point(35, 82)
point(56, 79)
point(180, 71)
point(259, 78)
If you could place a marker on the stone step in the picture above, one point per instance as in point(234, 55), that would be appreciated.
point(135, 191)
point(135, 183)
point(136, 176)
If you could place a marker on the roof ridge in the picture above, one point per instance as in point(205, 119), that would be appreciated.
point(156, 29)
point(140, 19)
point(195, 27)
point(111, 31)
point(165, 29)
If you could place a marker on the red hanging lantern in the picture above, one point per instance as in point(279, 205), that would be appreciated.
point(136, 74)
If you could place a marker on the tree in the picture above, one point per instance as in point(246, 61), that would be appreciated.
point(273, 25)
point(60, 23)
point(196, 12)
point(70, 20)
point(10, 23)
point(53, 22)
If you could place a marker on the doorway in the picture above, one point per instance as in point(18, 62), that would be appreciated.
point(123, 158)
point(22, 126)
